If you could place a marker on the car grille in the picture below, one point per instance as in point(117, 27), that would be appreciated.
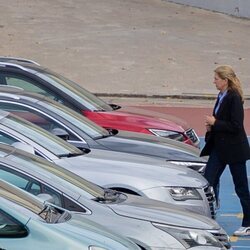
point(222, 238)
point(190, 133)
point(209, 192)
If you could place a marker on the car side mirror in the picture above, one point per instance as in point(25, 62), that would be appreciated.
point(114, 106)
point(63, 134)
point(46, 198)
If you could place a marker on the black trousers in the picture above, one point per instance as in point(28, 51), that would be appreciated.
point(213, 172)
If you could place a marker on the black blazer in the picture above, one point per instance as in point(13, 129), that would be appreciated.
point(227, 135)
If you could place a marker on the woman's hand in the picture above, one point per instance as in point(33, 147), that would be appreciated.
point(209, 121)
point(208, 128)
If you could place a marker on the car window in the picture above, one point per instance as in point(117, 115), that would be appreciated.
point(14, 178)
point(72, 205)
point(34, 188)
point(6, 139)
point(31, 85)
point(20, 180)
point(27, 84)
point(10, 140)
point(84, 124)
point(29, 184)
point(57, 198)
point(75, 91)
point(10, 227)
point(45, 139)
point(59, 175)
point(40, 119)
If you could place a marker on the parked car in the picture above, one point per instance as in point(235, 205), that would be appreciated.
point(129, 173)
point(32, 77)
point(26, 223)
point(123, 213)
point(83, 133)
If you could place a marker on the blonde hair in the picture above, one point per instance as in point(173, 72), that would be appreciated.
point(226, 72)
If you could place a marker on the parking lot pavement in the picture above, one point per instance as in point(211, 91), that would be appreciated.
point(229, 216)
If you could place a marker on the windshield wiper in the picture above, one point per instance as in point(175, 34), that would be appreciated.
point(70, 154)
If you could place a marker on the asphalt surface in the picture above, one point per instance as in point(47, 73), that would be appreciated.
point(139, 53)
point(229, 216)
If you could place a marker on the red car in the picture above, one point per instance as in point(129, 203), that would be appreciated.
point(135, 120)
point(32, 77)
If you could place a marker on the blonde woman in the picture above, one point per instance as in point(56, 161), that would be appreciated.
point(226, 140)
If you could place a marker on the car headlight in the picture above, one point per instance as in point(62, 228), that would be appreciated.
point(197, 166)
point(168, 134)
point(191, 237)
point(184, 193)
point(97, 248)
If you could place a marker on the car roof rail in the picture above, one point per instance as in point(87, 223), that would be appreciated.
point(13, 64)
point(10, 88)
point(16, 59)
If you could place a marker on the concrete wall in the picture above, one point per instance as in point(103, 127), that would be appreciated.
point(239, 8)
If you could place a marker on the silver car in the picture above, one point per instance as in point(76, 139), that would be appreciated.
point(129, 173)
point(83, 133)
point(26, 223)
point(149, 223)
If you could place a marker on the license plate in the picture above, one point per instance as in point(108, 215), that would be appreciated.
point(190, 133)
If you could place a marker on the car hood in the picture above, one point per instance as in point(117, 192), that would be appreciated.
point(111, 168)
point(79, 230)
point(155, 115)
point(80, 224)
point(160, 212)
point(138, 143)
point(119, 119)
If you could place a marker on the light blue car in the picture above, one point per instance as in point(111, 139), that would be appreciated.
point(27, 224)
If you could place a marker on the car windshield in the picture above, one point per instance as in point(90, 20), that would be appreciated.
point(52, 143)
point(70, 180)
point(81, 95)
point(90, 128)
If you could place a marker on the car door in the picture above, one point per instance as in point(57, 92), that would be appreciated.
point(44, 120)
point(32, 84)
point(36, 187)
point(26, 83)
